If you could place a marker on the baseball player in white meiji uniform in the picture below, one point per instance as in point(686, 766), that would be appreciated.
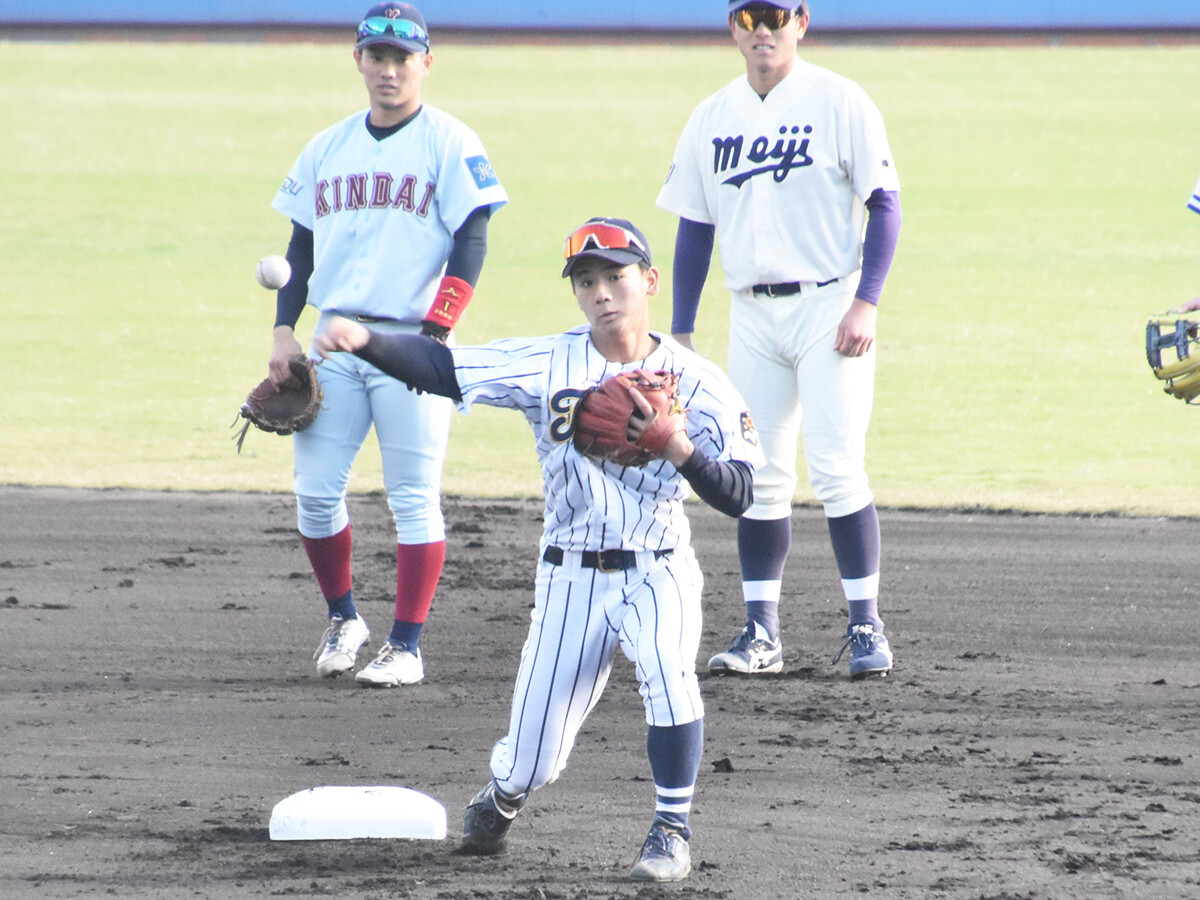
point(389, 211)
point(616, 569)
point(788, 166)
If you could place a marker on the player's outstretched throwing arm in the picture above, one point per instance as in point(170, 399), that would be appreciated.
point(420, 361)
point(427, 365)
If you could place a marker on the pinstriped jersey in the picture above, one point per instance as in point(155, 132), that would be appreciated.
point(1194, 203)
point(590, 504)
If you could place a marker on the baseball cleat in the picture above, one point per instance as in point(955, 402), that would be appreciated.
point(749, 655)
point(340, 645)
point(664, 857)
point(392, 667)
point(870, 655)
point(487, 821)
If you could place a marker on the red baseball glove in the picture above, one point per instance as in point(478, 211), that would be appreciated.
point(605, 413)
point(293, 406)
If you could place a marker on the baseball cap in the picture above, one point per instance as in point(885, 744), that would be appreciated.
point(735, 5)
point(398, 24)
point(615, 240)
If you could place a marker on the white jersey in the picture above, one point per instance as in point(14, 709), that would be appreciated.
point(383, 213)
point(592, 505)
point(784, 179)
point(1194, 203)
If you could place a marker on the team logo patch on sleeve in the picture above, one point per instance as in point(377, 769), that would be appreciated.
point(481, 169)
point(749, 432)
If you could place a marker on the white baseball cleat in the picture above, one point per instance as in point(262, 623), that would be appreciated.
point(664, 856)
point(394, 666)
point(749, 655)
point(340, 645)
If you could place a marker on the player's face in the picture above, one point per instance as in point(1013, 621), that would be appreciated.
point(614, 298)
point(769, 51)
point(393, 78)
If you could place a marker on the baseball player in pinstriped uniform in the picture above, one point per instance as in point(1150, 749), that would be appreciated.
point(616, 569)
point(389, 211)
point(788, 166)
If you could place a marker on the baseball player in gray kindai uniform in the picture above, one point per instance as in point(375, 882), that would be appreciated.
point(788, 165)
point(389, 210)
point(615, 567)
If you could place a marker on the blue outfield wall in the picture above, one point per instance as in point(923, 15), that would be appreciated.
point(623, 14)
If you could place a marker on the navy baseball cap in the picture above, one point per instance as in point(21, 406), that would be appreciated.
point(615, 240)
point(398, 24)
point(735, 5)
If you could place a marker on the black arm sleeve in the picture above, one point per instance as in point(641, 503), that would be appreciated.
point(727, 487)
point(470, 247)
point(290, 300)
point(420, 362)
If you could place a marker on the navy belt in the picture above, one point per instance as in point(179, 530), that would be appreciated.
point(604, 560)
point(787, 289)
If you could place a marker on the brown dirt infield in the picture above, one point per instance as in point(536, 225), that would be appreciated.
point(1038, 738)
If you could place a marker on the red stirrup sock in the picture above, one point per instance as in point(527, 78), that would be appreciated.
point(418, 568)
point(330, 560)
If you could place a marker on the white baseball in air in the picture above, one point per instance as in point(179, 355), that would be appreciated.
point(273, 272)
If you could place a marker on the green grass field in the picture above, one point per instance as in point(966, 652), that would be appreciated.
point(1044, 195)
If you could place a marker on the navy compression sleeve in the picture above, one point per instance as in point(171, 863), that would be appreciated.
point(879, 243)
point(470, 247)
point(419, 361)
point(290, 300)
point(693, 255)
point(727, 487)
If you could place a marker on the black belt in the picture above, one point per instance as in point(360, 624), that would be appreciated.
point(604, 560)
point(787, 289)
point(369, 320)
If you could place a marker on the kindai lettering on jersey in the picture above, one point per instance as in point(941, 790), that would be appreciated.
point(385, 192)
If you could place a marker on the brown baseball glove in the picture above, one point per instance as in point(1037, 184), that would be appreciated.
point(293, 406)
point(1173, 351)
point(604, 413)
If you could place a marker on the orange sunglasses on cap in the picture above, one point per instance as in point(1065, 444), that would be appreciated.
point(601, 236)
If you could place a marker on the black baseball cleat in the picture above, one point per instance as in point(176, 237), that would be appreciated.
point(486, 822)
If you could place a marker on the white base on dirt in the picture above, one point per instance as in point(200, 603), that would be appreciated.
point(341, 813)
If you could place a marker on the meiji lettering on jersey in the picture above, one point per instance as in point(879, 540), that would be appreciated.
point(727, 154)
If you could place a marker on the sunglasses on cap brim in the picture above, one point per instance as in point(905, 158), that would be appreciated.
point(600, 236)
point(773, 17)
point(377, 26)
